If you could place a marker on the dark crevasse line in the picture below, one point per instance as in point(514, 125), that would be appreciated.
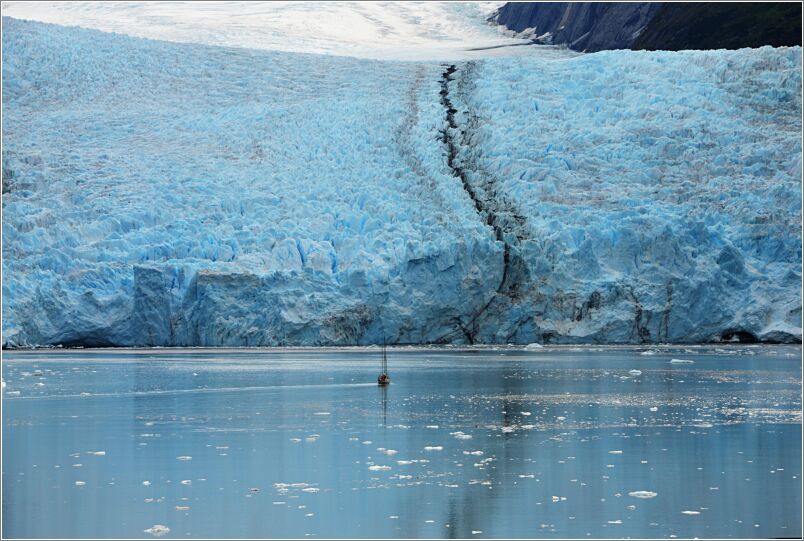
point(499, 213)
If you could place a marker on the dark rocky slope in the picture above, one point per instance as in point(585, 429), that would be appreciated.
point(597, 26)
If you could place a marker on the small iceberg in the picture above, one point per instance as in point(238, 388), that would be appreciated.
point(533, 347)
point(681, 361)
point(157, 530)
point(644, 494)
point(635, 372)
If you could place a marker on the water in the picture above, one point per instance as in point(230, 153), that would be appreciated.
point(296, 443)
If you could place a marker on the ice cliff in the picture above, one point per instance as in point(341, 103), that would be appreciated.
point(177, 194)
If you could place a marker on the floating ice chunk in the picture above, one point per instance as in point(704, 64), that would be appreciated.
point(648, 352)
point(533, 347)
point(80, 483)
point(654, 408)
point(691, 512)
point(617, 452)
point(295, 440)
point(404, 462)
point(182, 508)
point(146, 483)
point(39, 384)
point(187, 482)
point(431, 426)
point(631, 507)
point(475, 532)
point(460, 435)
point(525, 413)
point(618, 521)
point(12, 393)
point(391, 452)
point(279, 503)
point(434, 448)
point(184, 457)
point(379, 468)
point(635, 372)
point(98, 453)
point(508, 429)
point(157, 530)
point(527, 476)
point(644, 494)
point(310, 489)
point(681, 361)
point(476, 453)
point(322, 413)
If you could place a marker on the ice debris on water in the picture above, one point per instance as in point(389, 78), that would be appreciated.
point(635, 372)
point(460, 435)
point(379, 468)
point(157, 530)
point(184, 457)
point(644, 494)
point(681, 361)
point(80, 483)
point(691, 512)
point(433, 448)
point(533, 347)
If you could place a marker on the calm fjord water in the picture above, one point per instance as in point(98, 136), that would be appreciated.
point(559, 442)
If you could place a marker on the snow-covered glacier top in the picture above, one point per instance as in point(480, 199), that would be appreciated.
point(161, 193)
point(377, 30)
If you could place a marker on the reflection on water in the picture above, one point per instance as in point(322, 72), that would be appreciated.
point(563, 442)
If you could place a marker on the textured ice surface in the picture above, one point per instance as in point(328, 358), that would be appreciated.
point(182, 194)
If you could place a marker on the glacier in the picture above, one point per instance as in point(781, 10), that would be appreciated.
point(183, 194)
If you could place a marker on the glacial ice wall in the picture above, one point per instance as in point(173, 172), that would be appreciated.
point(176, 194)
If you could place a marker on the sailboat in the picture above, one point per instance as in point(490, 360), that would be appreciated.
point(383, 379)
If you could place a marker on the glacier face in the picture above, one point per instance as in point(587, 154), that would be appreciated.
point(181, 194)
